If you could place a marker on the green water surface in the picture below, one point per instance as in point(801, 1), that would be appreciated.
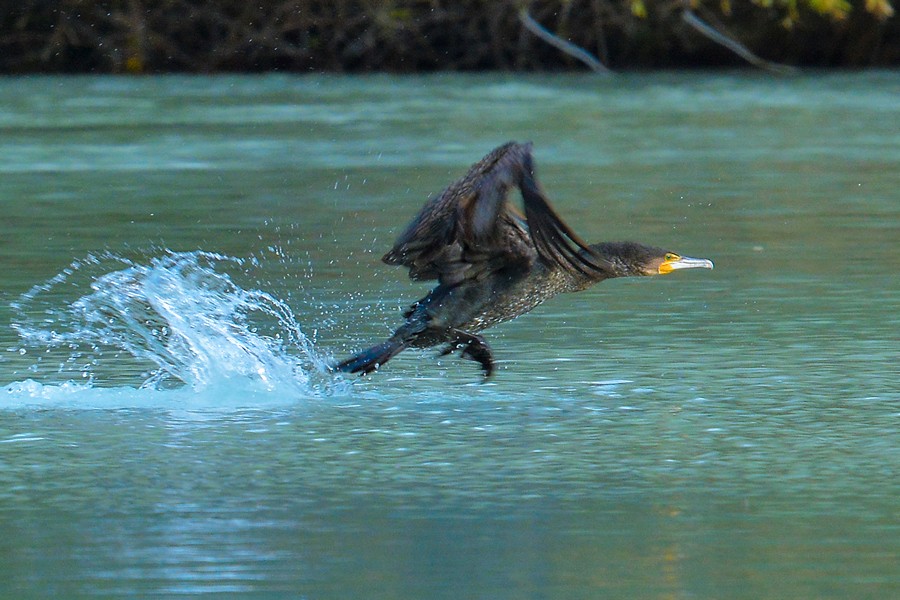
point(726, 434)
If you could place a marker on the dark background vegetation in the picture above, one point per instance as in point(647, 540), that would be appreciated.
point(151, 36)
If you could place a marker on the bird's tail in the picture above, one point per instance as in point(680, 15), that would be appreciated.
point(372, 358)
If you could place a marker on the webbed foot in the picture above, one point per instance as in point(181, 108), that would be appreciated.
point(473, 348)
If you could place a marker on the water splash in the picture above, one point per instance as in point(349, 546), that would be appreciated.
point(178, 320)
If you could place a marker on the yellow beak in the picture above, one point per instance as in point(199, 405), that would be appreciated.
point(683, 262)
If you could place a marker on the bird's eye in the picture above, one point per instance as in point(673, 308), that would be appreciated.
point(671, 257)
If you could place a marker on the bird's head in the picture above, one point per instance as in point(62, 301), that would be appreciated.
point(631, 259)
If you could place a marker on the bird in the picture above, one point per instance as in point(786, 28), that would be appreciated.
point(492, 263)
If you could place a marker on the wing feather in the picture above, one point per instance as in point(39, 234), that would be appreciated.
point(471, 230)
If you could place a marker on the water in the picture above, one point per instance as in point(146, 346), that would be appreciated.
point(182, 257)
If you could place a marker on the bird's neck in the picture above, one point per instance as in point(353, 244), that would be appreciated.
point(620, 256)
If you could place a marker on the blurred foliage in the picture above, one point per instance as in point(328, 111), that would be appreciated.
point(139, 36)
point(836, 9)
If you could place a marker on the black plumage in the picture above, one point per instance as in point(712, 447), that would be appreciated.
point(492, 263)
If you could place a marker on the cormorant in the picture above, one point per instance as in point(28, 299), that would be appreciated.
point(493, 264)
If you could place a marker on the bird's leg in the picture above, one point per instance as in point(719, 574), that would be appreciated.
point(473, 348)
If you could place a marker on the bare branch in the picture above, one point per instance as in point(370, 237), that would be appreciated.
point(557, 42)
point(689, 17)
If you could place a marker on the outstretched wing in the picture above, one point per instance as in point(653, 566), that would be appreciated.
point(471, 230)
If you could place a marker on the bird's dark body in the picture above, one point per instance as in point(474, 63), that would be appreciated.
point(475, 306)
point(491, 262)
